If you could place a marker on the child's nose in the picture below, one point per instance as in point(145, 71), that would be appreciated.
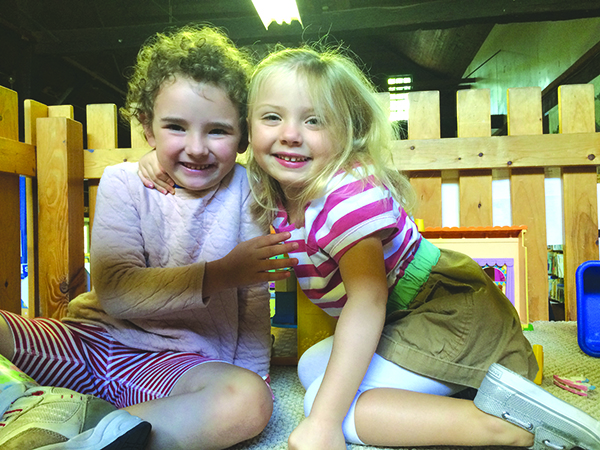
point(291, 135)
point(196, 146)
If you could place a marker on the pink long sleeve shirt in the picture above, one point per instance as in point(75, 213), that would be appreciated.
point(148, 257)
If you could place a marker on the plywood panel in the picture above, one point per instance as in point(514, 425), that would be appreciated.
point(424, 123)
point(60, 181)
point(475, 187)
point(528, 198)
point(576, 115)
point(10, 263)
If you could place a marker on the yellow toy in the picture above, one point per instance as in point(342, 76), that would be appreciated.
point(538, 351)
point(492, 247)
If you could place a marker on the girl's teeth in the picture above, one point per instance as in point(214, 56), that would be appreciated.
point(189, 166)
point(292, 158)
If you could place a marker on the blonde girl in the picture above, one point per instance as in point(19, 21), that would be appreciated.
point(417, 326)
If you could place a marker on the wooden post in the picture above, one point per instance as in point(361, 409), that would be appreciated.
point(60, 193)
point(528, 199)
point(138, 138)
point(101, 121)
point(424, 123)
point(475, 186)
point(10, 262)
point(61, 111)
point(33, 111)
point(576, 114)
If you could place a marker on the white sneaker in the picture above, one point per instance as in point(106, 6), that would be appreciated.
point(9, 393)
point(556, 424)
point(52, 418)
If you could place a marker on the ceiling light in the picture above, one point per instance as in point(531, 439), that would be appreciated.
point(277, 10)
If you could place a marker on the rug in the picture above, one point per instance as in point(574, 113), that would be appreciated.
point(562, 356)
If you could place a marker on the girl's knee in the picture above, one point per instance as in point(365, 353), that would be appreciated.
point(7, 343)
point(248, 401)
point(313, 361)
point(311, 393)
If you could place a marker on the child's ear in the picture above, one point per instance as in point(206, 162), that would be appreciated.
point(148, 131)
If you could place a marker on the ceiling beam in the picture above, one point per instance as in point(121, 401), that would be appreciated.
point(435, 14)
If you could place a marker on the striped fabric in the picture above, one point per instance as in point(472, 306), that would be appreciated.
point(86, 359)
point(351, 210)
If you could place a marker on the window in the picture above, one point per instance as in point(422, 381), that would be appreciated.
point(398, 87)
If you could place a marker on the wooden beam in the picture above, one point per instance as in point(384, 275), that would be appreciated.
point(497, 152)
point(97, 159)
point(368, 20)
point(17, 157)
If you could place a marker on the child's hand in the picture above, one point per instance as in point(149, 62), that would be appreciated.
point(313, 435)
point(250, 263)
point(152, 174)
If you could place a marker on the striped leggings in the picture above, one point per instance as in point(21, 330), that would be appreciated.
point(86, 359)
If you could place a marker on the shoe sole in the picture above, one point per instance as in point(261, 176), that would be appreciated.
point(503, 390)
point(119, 430)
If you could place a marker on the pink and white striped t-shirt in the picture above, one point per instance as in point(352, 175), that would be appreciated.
point(351, 210)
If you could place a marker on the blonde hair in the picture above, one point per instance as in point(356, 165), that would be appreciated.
point(344, 99)
point(199, 52)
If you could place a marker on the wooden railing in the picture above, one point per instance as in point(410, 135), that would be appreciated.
point(54, 160)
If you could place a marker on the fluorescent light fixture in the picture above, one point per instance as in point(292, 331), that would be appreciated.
point(277, 10)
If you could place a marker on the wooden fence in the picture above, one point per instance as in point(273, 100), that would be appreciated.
point(54, 160)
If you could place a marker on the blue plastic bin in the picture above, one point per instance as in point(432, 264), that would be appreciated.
point(588, 307)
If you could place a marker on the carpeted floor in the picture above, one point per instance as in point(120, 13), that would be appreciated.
point(562, 356)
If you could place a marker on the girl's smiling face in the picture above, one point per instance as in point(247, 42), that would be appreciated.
point(289, 141)
point(196, 132)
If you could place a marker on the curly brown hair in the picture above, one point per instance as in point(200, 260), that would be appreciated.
point(200, 52)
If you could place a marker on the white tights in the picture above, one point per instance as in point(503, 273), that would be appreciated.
point(380, 374)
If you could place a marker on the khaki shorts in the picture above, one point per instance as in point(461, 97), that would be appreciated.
point(458, 324)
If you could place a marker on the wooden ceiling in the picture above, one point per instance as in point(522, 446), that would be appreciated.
point(77, 51)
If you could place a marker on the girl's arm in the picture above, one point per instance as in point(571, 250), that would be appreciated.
point(153, 175)
point(128, 289)
point(253, 349)
point(356, 337)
